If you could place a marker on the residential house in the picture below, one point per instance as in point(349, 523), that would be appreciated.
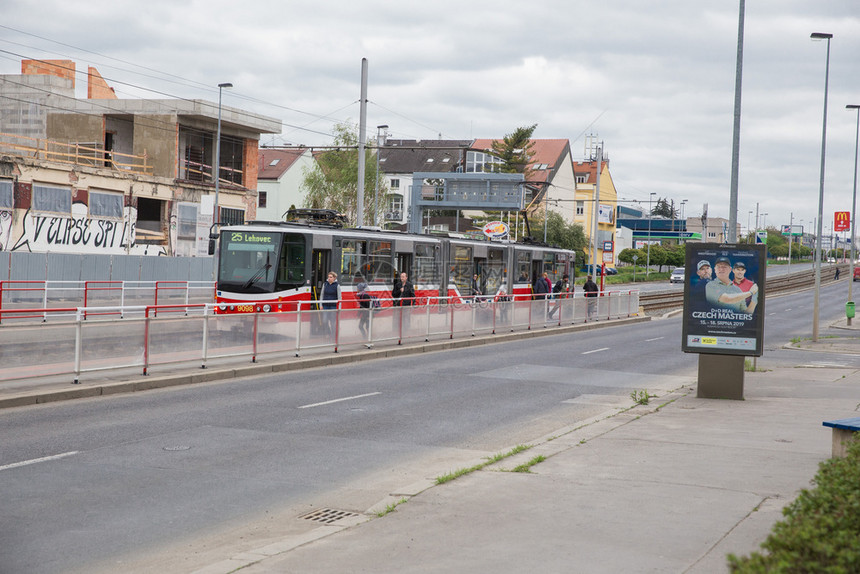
point(399, 159)
point(550, 179)
point(110, 175)
point(279, 181)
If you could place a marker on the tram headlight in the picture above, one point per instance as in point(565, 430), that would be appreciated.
point(267, 308)
point(222, 307)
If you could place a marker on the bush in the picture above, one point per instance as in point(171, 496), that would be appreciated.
point(821, 528)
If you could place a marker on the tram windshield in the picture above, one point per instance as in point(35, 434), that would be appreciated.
point(248, 261)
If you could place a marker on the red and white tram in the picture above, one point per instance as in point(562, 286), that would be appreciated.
point(270, 266)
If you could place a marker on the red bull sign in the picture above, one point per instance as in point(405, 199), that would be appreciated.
point(842, 221)
point(495, 230)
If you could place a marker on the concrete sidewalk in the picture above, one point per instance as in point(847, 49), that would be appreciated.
point(673, 486)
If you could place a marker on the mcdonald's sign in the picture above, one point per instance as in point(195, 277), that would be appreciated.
point(842, 221)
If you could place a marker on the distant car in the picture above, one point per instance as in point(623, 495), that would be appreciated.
point(857, 274)
point(609, 270)
point(677, 275)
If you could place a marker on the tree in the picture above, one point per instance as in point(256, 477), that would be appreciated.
point(333, 181)
point(658, 257)
point(626, 256)
point(559, 232)
point(516, 151)
point(665, 209)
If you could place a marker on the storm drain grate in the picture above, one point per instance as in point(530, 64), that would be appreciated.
point(328, 515)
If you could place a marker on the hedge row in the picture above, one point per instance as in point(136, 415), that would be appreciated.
point(821, 528)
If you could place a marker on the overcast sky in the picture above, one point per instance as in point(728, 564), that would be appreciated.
point(653, 80)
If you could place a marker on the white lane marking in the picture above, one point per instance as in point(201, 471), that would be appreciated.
point(36, 460)
point(596, 351)
point(654, 339)
point(339, 400)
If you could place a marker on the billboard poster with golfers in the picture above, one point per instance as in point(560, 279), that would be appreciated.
point(724, 299)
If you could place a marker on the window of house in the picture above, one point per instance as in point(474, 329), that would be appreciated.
point(580, 208)
point(186, 216)
point(478, 162)
point(6, 195)
point(395, 183)
point(395, 202)
point(232, 216)
point(712, 234)
point(232, 159)
point(581, 178)
point(105, 205)
point(52, 199)
point(149, 228)
point(262, 199)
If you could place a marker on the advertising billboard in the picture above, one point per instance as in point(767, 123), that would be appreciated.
point(724, 299)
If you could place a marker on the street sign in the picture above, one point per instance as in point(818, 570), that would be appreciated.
point(793, 230)
point(760, 237)
point(607, 246)
point(842, 221)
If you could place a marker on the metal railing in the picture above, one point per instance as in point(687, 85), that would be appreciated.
point(42, 297)
point(108, 337)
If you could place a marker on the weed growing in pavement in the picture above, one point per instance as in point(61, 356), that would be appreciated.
point(490, 460)
point(527, 466)
point(641, 397)
point(391, 507)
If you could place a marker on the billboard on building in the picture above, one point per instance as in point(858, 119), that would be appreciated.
point(724, 299)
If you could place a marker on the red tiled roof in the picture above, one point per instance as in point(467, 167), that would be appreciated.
point(589, 168)
point(285, 158)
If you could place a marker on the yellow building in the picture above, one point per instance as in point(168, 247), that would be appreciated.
point(586, 202)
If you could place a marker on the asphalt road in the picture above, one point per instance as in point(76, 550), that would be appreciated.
point(175, 479)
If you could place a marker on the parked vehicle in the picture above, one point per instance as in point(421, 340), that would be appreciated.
point(857, 274)
point(598, 269)
point(677, 275)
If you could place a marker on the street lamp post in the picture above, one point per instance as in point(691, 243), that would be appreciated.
point(749, 215)
point(216, 216)
point(683, 220)
point(854, 203)
point(648, 256)
point(379, 138)
point(815, 306)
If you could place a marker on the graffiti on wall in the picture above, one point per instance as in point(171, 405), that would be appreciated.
point(5, 229)
point(76, 234)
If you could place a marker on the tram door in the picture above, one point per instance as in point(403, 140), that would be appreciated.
point(320, 266)
point(404, 263)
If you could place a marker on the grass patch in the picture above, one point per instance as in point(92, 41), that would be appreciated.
point(490, 460)
point(526, 467)
point(391, 507)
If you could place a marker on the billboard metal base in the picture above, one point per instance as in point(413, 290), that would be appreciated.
point(721, 377)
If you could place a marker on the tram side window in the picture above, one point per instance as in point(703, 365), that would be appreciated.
point(292, 265)
point(524, 267)
point(552, 268)
point(462, 268)
point(379, 269)
point(353, 260)
point(425, 271)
